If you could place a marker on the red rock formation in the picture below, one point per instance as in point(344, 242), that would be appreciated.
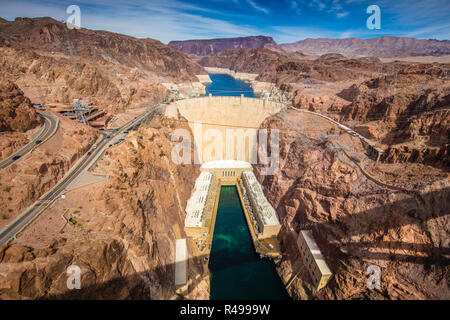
point(245, 60)
point(18, 119)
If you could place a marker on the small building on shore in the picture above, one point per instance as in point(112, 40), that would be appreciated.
point(313, 260)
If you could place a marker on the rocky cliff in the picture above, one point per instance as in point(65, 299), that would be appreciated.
point(16, 112)
point(18, 119)
point(283, 68)
point(408, 112)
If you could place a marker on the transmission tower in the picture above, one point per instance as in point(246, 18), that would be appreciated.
point(80, 108)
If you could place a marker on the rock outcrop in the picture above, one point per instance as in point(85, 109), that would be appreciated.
point(18, 119)
point(244, 60)
point(16, 112)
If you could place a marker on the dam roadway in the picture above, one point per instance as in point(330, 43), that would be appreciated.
point(50, 126)
point(28, 216)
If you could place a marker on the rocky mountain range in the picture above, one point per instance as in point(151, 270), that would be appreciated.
point(18, 118)
point(387, 46)
point(377, 47)
point(209, 47)
point(112, 70)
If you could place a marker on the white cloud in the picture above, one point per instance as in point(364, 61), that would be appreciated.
point(257, 7)
point(334, 7)
point(342, 14)
point(318, 4)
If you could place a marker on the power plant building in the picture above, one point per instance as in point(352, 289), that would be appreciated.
point(265, 215)
point(195, 218)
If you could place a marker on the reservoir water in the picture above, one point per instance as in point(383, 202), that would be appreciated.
point(237, 272)
point(225, 85)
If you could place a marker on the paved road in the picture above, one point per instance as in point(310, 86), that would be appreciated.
point(47, 199)
point(50, 127)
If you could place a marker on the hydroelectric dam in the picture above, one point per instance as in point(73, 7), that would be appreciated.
point(229, 223)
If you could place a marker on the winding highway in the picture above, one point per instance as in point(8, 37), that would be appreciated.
point(24, 219)
point(50, 126)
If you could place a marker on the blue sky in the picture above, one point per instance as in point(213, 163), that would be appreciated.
point(284, 20)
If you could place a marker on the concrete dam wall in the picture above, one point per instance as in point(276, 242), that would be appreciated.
point(224, 128)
